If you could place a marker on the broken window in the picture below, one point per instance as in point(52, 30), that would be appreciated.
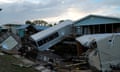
point(47, 39)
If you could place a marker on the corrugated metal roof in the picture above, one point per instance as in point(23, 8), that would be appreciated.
point(95, 20)
point(12, 24)
point(3, 27)
point(23, 26)
point(40, 27)
point(86, 39)
point(37, 27)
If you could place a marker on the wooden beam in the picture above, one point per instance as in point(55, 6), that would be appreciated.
point(79, 49)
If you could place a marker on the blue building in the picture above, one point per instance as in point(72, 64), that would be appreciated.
point(21, 29)
point(93, 24)
point(29, 29)
point(10, 28)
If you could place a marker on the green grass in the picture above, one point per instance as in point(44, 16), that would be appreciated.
point(6, 65)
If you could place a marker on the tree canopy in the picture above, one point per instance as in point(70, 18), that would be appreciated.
point(40, 22)
point(28, 22)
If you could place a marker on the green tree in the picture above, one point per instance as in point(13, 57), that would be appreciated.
point(50, 25)
point(28, 22)
point(40, 22)
point(55, 24)
point(61, 21)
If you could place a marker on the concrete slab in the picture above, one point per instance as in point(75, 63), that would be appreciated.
point(81, 71)
point(26, 61)
point(2, 54)
point(39, 68)
point(42, 69)
point(17, 56)
point(46, 70)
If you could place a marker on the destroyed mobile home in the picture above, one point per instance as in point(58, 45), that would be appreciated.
point(91, 42)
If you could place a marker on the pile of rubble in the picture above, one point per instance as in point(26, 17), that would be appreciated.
point(44, 61)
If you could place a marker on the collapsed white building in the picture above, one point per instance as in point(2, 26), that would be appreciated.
point(104, 52)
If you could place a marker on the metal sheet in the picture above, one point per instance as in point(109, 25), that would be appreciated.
point(9, 43)
point(50, 30)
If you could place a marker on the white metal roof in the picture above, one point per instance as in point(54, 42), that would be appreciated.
point(86, 39)
point(50, 30)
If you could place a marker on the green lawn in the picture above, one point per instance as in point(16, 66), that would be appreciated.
point(6, 65)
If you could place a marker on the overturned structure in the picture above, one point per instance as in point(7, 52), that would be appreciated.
point(49, 37)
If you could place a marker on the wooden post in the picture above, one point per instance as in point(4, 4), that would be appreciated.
point(105, 28)
point(79, 49)
point(99, 28)
point(112, 28)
